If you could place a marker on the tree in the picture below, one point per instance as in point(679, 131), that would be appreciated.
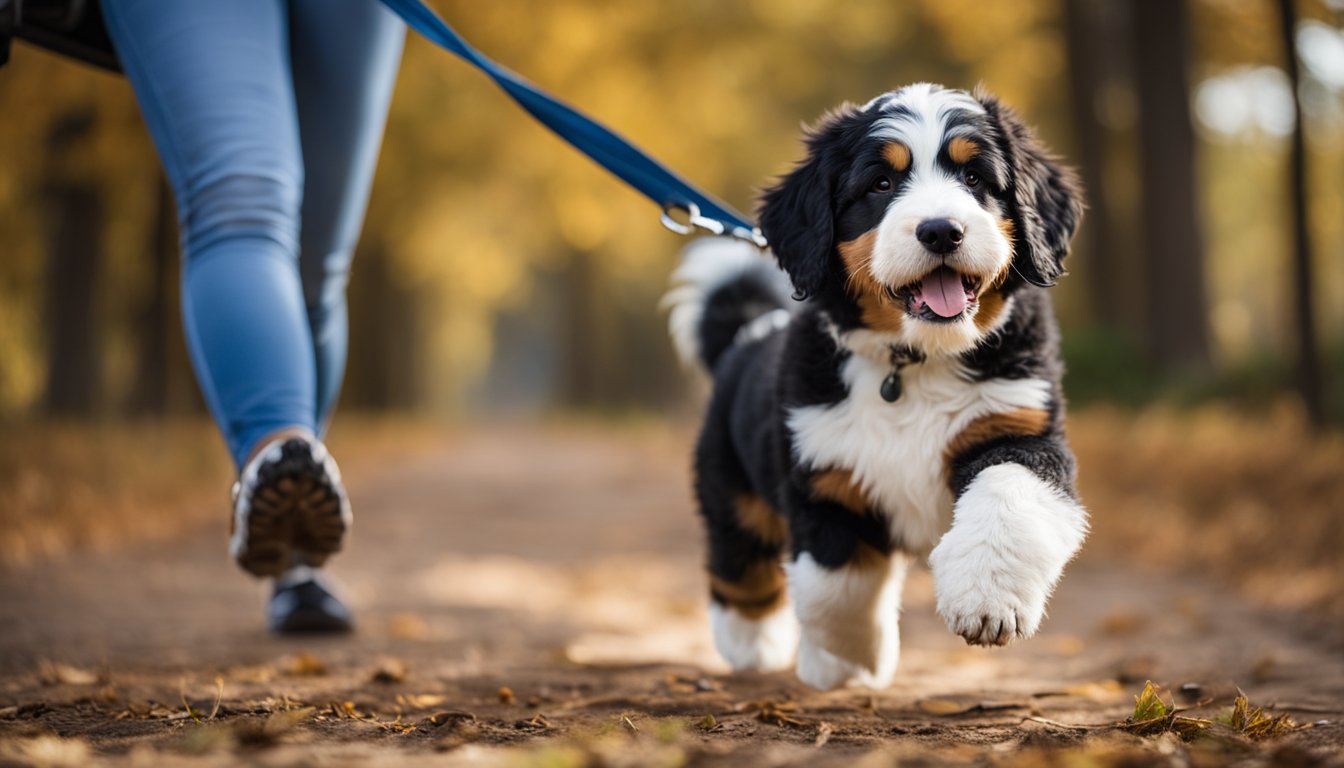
point(1087, 48)
point(1308, 356)
point(1176, 333)
point(74, 224)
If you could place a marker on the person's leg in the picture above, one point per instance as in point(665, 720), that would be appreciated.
point(345, 55)
point(214, 83)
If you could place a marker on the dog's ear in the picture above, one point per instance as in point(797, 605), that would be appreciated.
point(1046, 197)
point(797, 215)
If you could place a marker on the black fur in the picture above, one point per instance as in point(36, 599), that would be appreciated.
point(731, 306)
point(1046, 200)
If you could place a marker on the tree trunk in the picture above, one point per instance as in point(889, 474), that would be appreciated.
point(383, 372)
point(1308, 353)
point(74, 224)
point(1088, 46)
point(150, 396)
point(581, 363)
point(1176, 333)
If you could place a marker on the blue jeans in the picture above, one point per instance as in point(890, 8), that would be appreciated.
point(265, 113)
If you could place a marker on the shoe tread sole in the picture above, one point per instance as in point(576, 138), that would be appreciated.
point(294, 515)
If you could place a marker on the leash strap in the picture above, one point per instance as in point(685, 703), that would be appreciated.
point(670, 192)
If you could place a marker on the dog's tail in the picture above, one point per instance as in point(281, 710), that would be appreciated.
point(724, 290)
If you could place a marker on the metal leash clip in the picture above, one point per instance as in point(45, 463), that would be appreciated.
point(695, 222)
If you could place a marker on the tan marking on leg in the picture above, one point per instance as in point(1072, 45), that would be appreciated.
point(877, 310)
point(962, 149)
point(898, 155)
point(759, 592)
point(761, 519)
point(1023, 422)
point(838, 485)
point(868, 558)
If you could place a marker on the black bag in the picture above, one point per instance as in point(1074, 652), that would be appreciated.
point(72, 28)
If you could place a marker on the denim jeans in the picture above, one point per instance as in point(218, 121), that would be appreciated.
point(267, 116)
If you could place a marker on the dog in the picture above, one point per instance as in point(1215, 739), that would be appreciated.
point(893, 391)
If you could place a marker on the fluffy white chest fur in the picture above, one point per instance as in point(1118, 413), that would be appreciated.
point(895, 451)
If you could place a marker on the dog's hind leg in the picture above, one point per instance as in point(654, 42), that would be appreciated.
point(749, 614)
point(748, 611)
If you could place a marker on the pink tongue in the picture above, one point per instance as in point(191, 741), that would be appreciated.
point(943, 293)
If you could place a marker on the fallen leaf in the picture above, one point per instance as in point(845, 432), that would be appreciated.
point(1153, 717)
point(389, 670)
point(1253, 722)
point(774, 712)
point(1148, 704)
point(538, 722)
point(945, 707)
point(345, 710)
point(940, 707)
point(421, 700)
point(305, 664)
point(52, 673)
point(451, 716)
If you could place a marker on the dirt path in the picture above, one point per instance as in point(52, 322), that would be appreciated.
point(563, 565)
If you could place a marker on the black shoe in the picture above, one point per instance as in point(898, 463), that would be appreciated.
point(289, 506)
point(302, 603)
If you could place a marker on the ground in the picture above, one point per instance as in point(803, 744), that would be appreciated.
point(534, 596)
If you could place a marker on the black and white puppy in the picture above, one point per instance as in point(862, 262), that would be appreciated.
point(911, 403)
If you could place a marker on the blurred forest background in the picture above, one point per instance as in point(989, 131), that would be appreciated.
point(502, 273)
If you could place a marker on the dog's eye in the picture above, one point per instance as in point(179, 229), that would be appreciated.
point(881, 184)
point(972, 179)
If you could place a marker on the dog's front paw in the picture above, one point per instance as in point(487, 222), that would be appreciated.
point(982, 595)
point(988, 619)
point(1011, 535)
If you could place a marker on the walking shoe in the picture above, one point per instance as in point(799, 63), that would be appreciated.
point(289, 508)
point(303, 602)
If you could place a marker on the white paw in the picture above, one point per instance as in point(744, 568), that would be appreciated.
point(824, 670)
point(766, 644)
point(985, 613)
point(993, 571)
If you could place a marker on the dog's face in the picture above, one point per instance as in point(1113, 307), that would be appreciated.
point(918, 214)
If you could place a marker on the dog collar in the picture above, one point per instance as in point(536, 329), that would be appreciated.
point(901, 357)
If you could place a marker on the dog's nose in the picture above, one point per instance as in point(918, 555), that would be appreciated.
point(940, 235)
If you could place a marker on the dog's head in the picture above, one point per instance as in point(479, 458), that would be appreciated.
point(919, 214)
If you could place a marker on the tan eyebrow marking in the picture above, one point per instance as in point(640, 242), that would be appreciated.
point(898, 155)
point(962, 149)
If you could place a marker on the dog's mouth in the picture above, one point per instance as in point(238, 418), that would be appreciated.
point(942, 296)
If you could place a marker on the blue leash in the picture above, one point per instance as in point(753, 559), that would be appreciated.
point(669, 191)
